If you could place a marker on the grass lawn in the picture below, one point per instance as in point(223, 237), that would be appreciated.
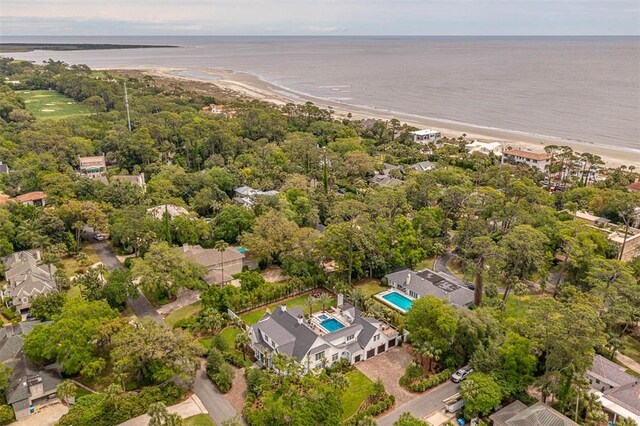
point(74, 291)
point(631, 348)
point(427, 263)
point(51, 104)
point(71, 266)
point(253, 317)
point(184, 312)
point(360, 387)
point(517, 305)
point(199, 420)
point(370, 287)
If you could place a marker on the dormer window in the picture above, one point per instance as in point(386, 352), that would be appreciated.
point(351, 337)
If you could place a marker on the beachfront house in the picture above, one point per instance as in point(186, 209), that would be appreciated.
point(407, 286)
point(617, 390)
point(538, 160)
point(246, 196)
point(220, 265)
point(426, 136)
point(484, 147)
point(27, 277)
point(35, 198)
point(323, 339)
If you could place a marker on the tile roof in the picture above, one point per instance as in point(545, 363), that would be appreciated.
point(635, 186)
point(31, 196)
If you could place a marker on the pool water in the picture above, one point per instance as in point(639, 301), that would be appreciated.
point(241, 249)
point(322, 317)
point(331, 324)
point(398, 300)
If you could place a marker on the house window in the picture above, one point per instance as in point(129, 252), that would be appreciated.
point(376, 337)
point(353, 336)
point(319, 356)
point(334, 358)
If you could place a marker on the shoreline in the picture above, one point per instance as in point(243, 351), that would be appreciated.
point(252, 87)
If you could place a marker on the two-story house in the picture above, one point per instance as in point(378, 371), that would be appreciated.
point(325, 338)
point(538, 160)
point(27, 277)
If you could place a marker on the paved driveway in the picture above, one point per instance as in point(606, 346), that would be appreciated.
point(389, 367)
point(46, 416)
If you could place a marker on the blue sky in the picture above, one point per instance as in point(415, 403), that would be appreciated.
point(320, 17)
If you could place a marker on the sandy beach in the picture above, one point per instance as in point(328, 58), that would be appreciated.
point(244, 85)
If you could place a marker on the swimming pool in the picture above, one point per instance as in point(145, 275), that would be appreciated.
point(398, 300)
point(241, 249)
point(330, 324)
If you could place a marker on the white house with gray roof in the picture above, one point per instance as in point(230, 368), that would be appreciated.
point(27, 277)
point(246, 196)
point(427, 282)
point(343, 332)
point(617, 390)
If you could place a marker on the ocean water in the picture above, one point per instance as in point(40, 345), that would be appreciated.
point(581, 88)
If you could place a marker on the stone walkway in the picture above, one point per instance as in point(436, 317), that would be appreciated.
point(389, 367)
point(631, 364)
point(238, 393)
point(187, 408)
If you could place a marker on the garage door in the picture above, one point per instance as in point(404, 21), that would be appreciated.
point(381, 348)
point(357, 358)
point(392, 343)
point(371, 353)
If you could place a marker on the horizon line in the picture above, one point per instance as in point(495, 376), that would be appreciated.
point(319, 35)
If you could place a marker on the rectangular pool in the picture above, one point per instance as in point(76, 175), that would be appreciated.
point(331, 324)
point(398, 300)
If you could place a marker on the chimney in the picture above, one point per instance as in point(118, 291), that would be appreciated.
point(283, 307)
point(408, 281)
point(300, 319)
point(340, 299)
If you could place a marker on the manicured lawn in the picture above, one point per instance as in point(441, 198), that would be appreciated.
point(253, 317)
point(71, 265)
point(370, 287)
point(51, 104)
point(184, 312)
point(199, 420)
point(360, 387)
point(631, 348)
point(517, 306)
point(427, 263)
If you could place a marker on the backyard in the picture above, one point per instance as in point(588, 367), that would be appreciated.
point(71, 265)
point(51, 104)
point(254, 316)
point(360, 387)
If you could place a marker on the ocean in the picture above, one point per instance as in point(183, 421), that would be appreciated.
point(580, 88)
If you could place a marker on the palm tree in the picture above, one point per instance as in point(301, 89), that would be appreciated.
point(325, 300)
point(158, 413)
point(221, 246)
point(112, 394)
point(65, 391)
point(358, 298)
point(310, 300)
point(242, 343)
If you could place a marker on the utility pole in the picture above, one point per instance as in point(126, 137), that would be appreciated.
point(126, 104)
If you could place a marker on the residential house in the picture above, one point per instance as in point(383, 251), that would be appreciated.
point(246, 196)
point(590, 219)
point(29, 386)
point(322, 340)
point(419, 284)
point(423, 166)
point(617, 390)
point(538, 160)
point(219, 110)
point(220, 265)
point(36, 198)
point(484, 147)
point(132, 179)
point(172, 210)
point(629, 245)
point(518, 414)
point(383, 177)
point(426, 136)
point(4, 169)
point(4, 198)
point(27, 277)
point(93, 167)
point(635, 186)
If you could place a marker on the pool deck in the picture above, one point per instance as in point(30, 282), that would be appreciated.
point(380, 298)
point(316, 321)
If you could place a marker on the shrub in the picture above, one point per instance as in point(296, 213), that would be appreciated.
point(411, 374)
point(343, 366)
point(255, 381)
point(430, 382)
point(383, 403)
point(223, 378)
point(219, 343)
point(9, 313)
point(6, 415)
point(188, 323)
point(128, 262)
point(235, 359)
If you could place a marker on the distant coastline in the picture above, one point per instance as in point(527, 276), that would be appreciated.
point(30, 47)
point(247, 86)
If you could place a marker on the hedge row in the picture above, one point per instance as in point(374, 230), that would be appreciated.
point(430, 382)
point(373, 410)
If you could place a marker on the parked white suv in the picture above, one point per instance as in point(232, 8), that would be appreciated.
point(461, 374)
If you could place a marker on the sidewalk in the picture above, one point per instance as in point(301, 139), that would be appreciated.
point(629, 363)
point(188, 408)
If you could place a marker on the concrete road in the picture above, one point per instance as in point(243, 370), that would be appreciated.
point(216, 404)
point(422, 405)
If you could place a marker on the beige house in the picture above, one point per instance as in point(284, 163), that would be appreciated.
point(36, 198)
point(93, 167)
point(538, 160)
point(221, 266)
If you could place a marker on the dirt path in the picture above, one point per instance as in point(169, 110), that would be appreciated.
point(238, 393)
